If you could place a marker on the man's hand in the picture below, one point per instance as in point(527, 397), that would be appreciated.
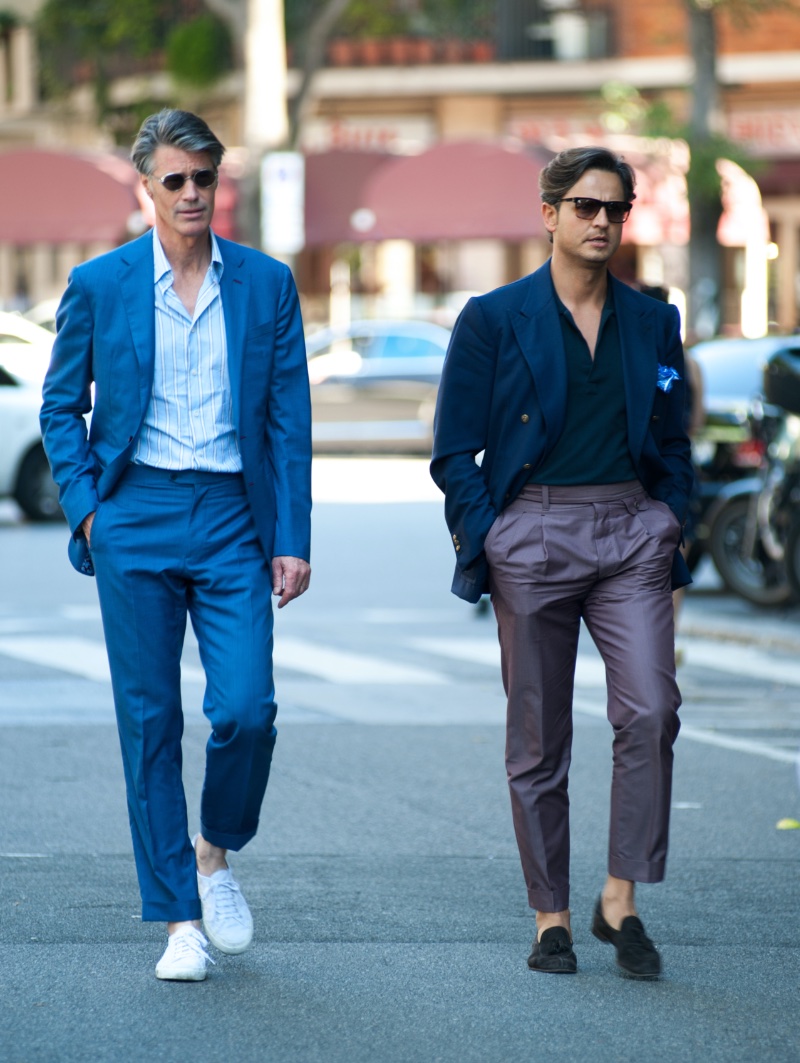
point(290, 578)
point(86, 525)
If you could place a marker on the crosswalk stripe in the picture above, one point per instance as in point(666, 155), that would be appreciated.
point(78, 656)
point(338, 666)
point(742, 660)
point(589, 670)
point(87, 658)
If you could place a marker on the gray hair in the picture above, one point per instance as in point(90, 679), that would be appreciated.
point(567, 168)
point(173, 129)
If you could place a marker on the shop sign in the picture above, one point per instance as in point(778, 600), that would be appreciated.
point(395, 133)
point(766, 132)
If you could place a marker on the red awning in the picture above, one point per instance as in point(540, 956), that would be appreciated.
point(54, 198)
point(459, 190)
point(334, 189)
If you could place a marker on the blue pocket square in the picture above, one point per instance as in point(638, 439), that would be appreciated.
point(667, 377)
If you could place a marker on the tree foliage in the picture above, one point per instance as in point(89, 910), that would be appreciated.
point(199, 51)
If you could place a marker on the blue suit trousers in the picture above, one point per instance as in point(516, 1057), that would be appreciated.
point(167, 544)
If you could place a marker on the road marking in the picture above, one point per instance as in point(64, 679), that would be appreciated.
point(709, 738)
point(338, 666)
point(87, 658)
point(742, 660)
point(84, 657)
point(589, 670)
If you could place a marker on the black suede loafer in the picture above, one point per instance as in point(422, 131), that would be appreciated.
point(553, 953)
point(637, 956)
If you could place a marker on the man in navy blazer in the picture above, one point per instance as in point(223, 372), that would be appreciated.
point(190, 493)
point(570, 385)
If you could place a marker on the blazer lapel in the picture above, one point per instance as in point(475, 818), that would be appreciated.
point(639, 362)
point(538, 332)
point(235, 289)
point(136, 286)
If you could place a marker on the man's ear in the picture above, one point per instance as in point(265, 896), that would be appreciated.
point(146, 184)
point(550, 217)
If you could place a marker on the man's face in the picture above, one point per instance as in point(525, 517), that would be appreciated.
point(592, 241)
point(188, 211)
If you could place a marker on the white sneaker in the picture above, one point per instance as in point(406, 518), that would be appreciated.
point(185, 959)
point(226, 917)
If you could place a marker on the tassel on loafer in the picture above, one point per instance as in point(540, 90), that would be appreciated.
point(553, 953)
point(637, 956)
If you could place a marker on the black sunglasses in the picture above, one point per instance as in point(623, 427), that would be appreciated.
point(174, 182)
point(587, 209)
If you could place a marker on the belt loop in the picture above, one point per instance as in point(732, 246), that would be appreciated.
point(545, 498)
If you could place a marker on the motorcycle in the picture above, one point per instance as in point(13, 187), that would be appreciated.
point(782, 376)
point(752, 520)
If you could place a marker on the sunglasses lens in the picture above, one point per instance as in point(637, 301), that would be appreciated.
point(588, 209)
point(173, 182)
point(204, 178)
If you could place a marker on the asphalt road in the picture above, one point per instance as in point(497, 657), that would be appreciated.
point(391, 923)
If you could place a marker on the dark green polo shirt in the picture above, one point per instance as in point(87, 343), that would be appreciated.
point(593, 447)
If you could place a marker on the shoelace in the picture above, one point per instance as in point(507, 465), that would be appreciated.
point(182, 945)
point(226, 894)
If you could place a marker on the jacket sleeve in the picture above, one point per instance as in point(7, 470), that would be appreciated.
point(67, 399)
point(461, 428)
point(674, 484)
point(289, 429)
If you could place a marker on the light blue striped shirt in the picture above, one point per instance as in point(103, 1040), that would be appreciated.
point(189, 421)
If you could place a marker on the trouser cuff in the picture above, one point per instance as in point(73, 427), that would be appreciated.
point(637, 870)
point(171, 911)
point(234, 842)
point(549, 900)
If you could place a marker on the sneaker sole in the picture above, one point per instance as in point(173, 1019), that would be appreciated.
point(181, 976)
point(229, 950)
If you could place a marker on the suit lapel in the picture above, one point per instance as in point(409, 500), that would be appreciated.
point(136, 286)
point(538, 331)
point(635, 322)
point(235, 290)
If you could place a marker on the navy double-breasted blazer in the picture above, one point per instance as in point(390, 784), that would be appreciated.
point(504, 393)
point(106, 341)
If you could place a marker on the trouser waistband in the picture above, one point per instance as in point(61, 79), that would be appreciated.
point(143, 474)
point(572, 494)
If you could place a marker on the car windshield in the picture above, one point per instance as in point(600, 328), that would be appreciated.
point(733, 369)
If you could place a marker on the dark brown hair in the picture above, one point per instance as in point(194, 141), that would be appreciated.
point(567, 168)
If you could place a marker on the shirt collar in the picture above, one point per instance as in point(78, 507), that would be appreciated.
point(162, 267)
point(608, 305)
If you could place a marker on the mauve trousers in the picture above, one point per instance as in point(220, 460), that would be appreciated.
point(601, 553)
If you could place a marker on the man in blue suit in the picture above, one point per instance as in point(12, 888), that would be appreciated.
point(190, 493)
point(571, 384)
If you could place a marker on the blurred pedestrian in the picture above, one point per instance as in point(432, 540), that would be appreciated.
point(572, 384)
point(191, 493)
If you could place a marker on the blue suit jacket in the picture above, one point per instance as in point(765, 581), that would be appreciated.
point(506, 359)
point(106, 338)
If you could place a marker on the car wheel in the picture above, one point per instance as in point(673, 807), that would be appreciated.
point(36, 493)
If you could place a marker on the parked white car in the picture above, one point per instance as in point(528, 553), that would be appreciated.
point(24, 473)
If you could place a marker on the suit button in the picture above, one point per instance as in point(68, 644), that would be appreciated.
point(455, 538)
point(655, 417)
point(526, 466)
point(525, 418)
point(458, 548)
